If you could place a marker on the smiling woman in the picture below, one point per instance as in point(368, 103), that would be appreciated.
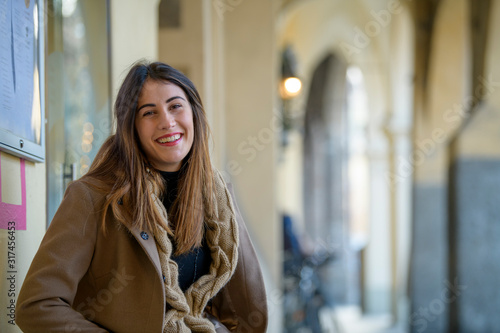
point(154, 214)
point(164, 124)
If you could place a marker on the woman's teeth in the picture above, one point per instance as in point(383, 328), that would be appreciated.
point(170, 138)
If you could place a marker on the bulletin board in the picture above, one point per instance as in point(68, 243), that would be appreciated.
point(22, 112)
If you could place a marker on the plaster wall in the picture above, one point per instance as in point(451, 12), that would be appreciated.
point(448, 91)
point(182, 47)
point(134, 36)
point(250, 135)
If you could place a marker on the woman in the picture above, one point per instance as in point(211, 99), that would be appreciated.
point(150, 239)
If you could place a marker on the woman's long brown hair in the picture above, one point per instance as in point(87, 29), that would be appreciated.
point(128, 180)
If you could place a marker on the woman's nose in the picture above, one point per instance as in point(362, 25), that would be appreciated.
point(167, 120)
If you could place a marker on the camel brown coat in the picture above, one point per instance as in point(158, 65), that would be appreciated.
point(82, 280)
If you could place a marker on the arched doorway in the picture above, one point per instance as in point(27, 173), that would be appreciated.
point(325, 156)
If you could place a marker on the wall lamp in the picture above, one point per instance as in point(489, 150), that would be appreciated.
point(290, 86)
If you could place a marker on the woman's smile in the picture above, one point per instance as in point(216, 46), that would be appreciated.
point(170, 139)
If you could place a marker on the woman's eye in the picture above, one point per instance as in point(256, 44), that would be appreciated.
point(147, 113)
point(176, 106)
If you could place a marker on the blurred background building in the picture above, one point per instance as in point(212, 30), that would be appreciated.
point(362, 138)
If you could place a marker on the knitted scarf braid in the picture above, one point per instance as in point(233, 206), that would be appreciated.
point(186, 309)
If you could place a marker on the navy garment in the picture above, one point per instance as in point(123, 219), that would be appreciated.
point(195, 263)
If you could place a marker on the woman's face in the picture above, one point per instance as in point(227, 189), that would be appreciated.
point(164, 123)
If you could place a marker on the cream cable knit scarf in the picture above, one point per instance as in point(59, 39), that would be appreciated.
point(186, 312)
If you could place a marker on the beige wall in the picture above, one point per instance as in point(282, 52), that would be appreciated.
point(485, 124)
point(250, 140)
point(448, 92)
point(250, 136)
point(134, 36)
point(182, 47)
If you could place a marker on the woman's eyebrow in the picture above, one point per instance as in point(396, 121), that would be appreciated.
point(172, 98)
point(145, 105)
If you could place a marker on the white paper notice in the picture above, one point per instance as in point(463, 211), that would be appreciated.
point(17, 58)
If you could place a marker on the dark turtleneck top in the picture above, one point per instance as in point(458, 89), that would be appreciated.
point(195, 263)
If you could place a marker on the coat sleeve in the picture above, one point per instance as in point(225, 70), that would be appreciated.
point(241, 305)
point(47, 295)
